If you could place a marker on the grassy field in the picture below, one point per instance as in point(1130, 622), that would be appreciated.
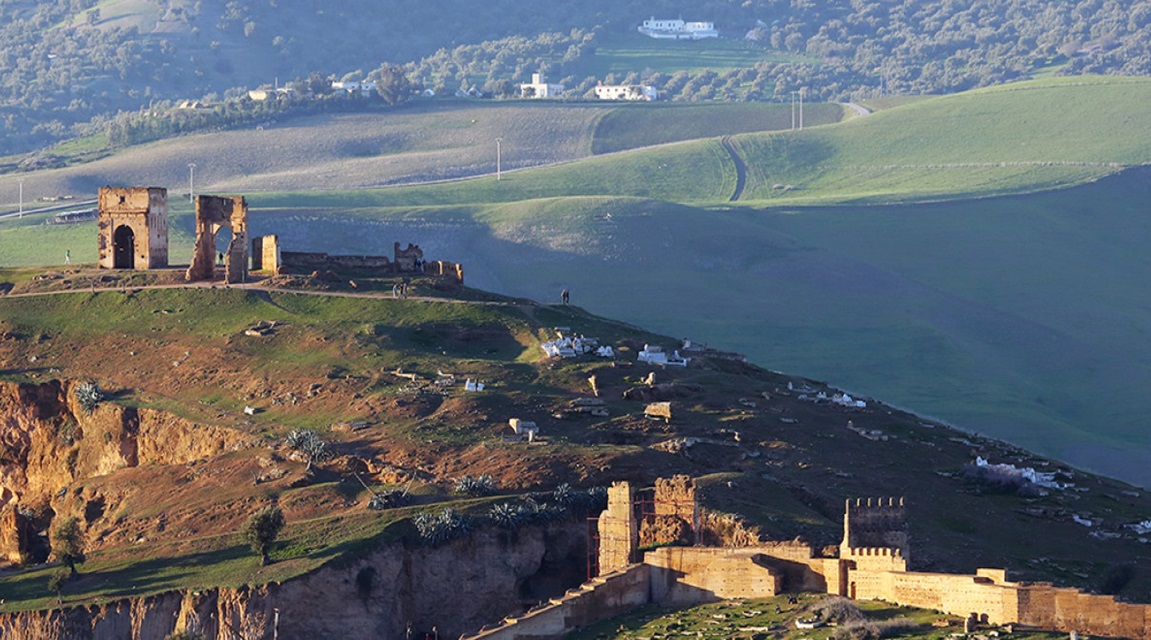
point(978, 144)
point(748, 619)
point(426, 142)
point(634, 126)
point(623, 54)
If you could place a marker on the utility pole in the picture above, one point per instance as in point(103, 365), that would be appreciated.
point(499, 153)
point(191, 182)
point(801, 108)
point(21, 180)
point(793, 109)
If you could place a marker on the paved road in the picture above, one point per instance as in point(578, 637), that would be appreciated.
point(858, 108)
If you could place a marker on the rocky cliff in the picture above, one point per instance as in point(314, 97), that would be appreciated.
point(452, 589)
point(49, 441)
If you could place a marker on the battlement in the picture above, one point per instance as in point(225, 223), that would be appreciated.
point(873, 552)
point(875, 523)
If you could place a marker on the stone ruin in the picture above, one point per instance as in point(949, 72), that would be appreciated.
point(408, 260)
point(667, 514)
point(212, 214)
point(132, 227)
point(133, 234)
point(267, 255)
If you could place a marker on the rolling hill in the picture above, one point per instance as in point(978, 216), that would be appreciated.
point(1017, 315)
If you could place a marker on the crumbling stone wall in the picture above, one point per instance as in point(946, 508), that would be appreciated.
point(212, 214)
point(297, 261)
point(444, 269)
point(675, 517)
point(132, 226)
point(405, 259)
point(618, 529)
point(266, 254)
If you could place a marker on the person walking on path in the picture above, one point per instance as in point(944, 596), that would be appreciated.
point(68, 256)
point(564, 295)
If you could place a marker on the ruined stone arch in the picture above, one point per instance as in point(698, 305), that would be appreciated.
point(214, 213)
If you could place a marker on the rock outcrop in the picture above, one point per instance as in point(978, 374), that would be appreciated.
point(48, 442)
point(455, 588)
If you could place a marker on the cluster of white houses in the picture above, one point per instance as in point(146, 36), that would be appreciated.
point(678, 29)
point(539, 88)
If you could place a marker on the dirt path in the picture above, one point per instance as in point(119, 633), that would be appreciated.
point(740, 168)
point(256, 286)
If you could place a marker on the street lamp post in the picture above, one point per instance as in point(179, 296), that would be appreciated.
point(191, 183)
point(499, 159)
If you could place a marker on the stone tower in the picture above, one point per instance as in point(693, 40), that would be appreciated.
point(133, 228)
point(875, 527)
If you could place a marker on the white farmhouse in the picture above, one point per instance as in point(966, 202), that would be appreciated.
point(678, 29)
point(537, 88)
point(365, 88)
point(644, 92)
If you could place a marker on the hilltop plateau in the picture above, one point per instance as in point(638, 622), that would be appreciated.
point(202, 385)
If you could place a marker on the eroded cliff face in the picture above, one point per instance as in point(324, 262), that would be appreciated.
point(48, 442)
point(455, 588)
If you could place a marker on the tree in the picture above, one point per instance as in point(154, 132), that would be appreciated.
point(68, 543)
point(262, 529)
point(394, 86)
point(56, 584)
point(317, 84)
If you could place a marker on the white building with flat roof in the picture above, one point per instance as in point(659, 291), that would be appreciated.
point(537, 88)
point(641, 92)
point(678, 29)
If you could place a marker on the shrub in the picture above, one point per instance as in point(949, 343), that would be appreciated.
point(389, 500)
point(874, 630)
point(56, 584)
point(89, 396)
point(507, 515)
point(262, 529)
point(837, 609)
point(448, 524)
point(186, 634)
point(476, 486)
point(309, 443)
point(564, 496)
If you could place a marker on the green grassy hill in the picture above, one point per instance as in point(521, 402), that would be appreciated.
point(1019, 138)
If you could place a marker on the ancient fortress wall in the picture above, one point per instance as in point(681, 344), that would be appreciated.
point(603, 597)
point(691, 575)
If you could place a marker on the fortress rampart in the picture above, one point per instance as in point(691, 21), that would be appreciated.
point(867, 568)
